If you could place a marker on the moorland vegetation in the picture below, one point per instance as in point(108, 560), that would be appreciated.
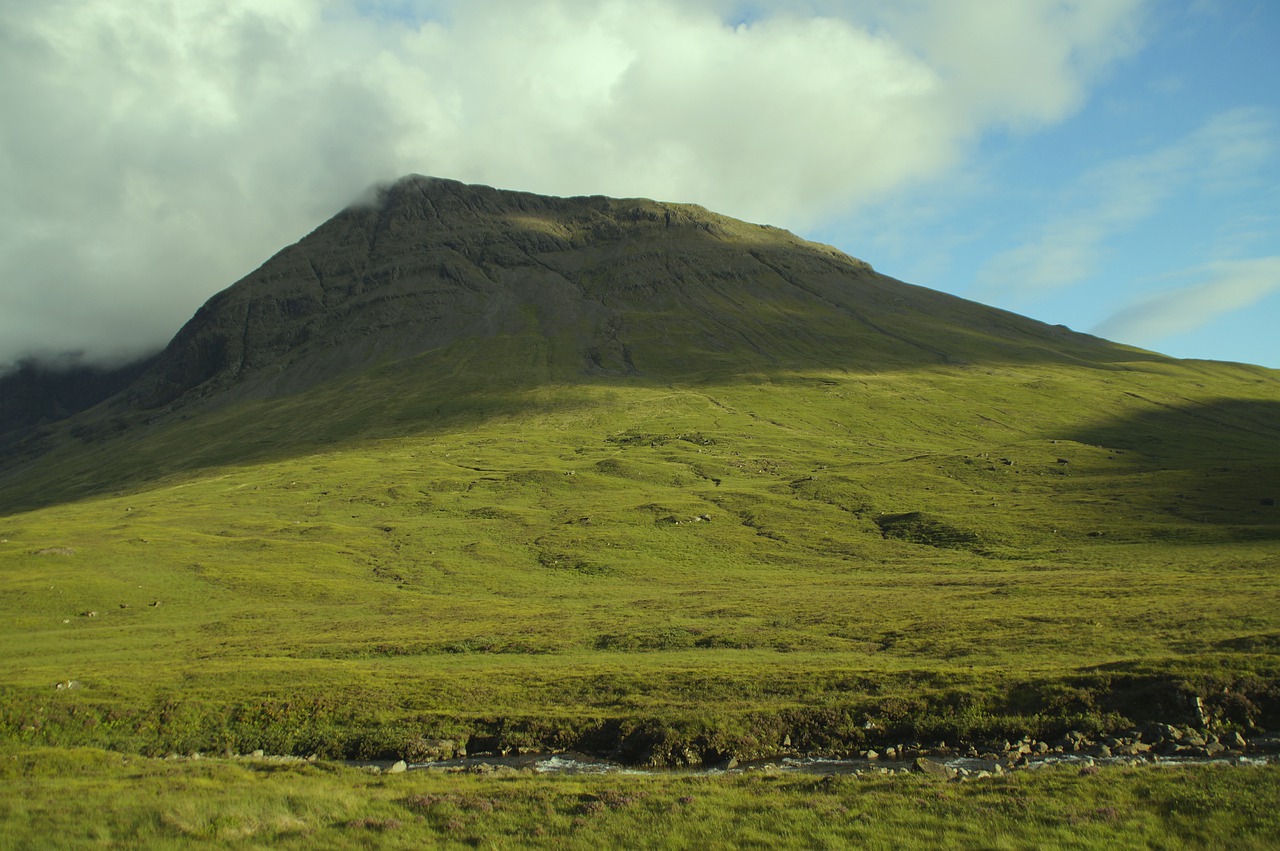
point(520, 473)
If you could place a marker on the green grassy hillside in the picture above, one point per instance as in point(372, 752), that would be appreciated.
point(632, 477)
point(960, 550)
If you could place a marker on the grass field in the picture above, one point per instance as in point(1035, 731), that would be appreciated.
point(82, 798)
point(634, 479)
point(824, 555)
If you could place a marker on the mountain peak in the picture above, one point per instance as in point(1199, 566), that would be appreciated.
point(596, 286)
point(452, 201)
point(418, 191)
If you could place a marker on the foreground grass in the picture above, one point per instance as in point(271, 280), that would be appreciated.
point(83, 798)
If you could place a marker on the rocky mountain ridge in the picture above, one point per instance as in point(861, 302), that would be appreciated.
point(616, 287)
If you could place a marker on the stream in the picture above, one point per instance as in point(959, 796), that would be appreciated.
point(961, 766)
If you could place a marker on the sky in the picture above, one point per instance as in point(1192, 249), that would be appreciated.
point(1110, 165)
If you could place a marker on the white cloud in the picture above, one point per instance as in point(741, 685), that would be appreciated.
point(151, 151)
point(1021, 62)
point(1120, 193)
point(1224, 287)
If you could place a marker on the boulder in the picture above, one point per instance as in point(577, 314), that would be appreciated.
point(933, 768)
point(1232, 740)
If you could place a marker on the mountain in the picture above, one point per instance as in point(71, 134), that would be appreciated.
point(581, 286)
point(613, 287)
point(34, 393)
point(522, 471)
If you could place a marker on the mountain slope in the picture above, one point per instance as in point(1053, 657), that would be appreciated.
point(618, 474)
point(577, 288)
point(615, 287)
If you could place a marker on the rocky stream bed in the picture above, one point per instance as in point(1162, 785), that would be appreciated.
point(1154, 744)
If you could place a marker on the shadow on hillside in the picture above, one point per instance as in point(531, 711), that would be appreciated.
point(114, 448)
point(1229, 451)
point(1192, 435)
point(113, 454)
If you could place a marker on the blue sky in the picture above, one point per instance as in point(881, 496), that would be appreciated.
point(1150, 216)
point(1110, 165)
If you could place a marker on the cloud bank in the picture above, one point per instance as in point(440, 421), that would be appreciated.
point(153, 151)
point(1225, 287)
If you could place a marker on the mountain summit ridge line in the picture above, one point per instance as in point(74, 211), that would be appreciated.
point(434, 260)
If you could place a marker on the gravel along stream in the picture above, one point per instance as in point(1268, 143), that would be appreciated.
point(1155, 744)
point(942, 766)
